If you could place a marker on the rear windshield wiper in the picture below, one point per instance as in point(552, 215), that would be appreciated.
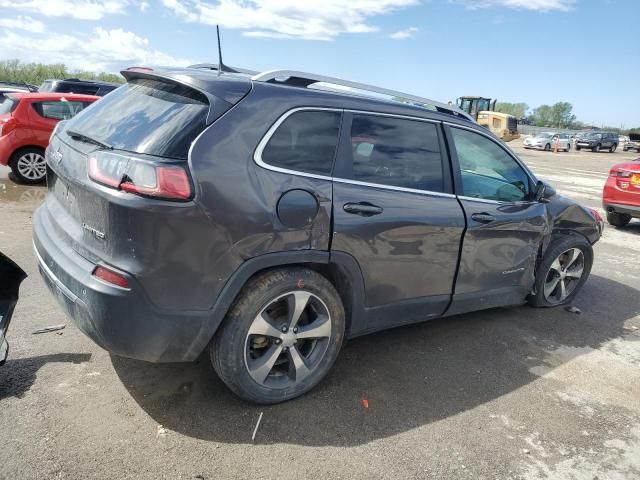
point(85, 138)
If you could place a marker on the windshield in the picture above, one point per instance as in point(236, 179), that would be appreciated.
point(146, 116)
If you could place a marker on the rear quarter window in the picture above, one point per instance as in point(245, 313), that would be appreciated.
point(305, 142)
point(7, 104)
point(146, 116)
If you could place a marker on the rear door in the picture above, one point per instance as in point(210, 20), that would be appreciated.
point(395, 213)
point(505, 227)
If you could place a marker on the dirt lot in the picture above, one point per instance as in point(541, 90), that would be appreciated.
point(507, 393)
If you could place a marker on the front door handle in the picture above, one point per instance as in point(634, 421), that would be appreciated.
point(364, 209)
point(483, 217)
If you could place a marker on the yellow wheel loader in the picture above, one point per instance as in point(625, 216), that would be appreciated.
point(503, 125)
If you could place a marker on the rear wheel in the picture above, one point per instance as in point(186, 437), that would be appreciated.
point(281, 337)
point(613, 148)
point(618, 219)
point(568, 148)
point(28, 165)
point(547, 147)
point(562, 272)
point(597, 148)
point(577, 148)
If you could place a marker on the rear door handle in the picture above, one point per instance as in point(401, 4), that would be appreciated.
point(483, 217)
point(364, 209)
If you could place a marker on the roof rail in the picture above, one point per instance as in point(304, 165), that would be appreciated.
point(28, 86)
point(303, 79)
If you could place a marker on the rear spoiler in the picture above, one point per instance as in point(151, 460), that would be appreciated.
point(221, 92)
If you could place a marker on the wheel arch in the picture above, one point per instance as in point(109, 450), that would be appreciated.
point(25, 147)
point(340, 268)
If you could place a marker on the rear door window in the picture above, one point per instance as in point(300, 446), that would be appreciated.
point(58, 110)
point(305, 142)
point(396, 152)
point(146, 116)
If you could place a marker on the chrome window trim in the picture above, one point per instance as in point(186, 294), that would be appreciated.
point(391, 187)
point(393, 115)
point(497, 202)
point(257, 155)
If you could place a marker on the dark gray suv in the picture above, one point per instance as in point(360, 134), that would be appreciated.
point(267, 221)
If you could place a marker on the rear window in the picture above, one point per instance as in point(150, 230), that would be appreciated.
point(7, 104)
point(146, 116)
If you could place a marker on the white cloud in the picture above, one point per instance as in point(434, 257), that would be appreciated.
point(101, 50)
point(307, 19)
point(23, 23)
point(80, 9)
point(537, 5)
point(144, 6)
point(406, 33)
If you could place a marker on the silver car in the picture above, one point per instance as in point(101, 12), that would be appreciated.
point(548, 140)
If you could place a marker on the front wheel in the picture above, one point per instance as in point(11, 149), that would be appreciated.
point(547, 147)
point(281, 337)
point(28, 165)
point(597, 148)
point(578, 149)
point(613, 148)
point(564, 269)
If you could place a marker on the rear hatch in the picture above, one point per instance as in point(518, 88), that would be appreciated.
point(125, 158)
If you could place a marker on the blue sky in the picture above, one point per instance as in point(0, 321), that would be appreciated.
point(586, 52)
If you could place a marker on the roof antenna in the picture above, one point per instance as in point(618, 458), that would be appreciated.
point(220, 64)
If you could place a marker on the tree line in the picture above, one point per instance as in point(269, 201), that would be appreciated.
point(558, 115)
point(36, 73)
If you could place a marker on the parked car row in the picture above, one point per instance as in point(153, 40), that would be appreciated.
point(548, 141)
point(28, 115)
point(594, 141)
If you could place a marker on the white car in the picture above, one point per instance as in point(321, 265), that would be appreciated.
point(548, 141)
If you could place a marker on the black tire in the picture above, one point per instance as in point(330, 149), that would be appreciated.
point(558, 245)
point(596, 148)
point(618, 220)
point(18, 169)
point(568, 148)
point(547, 147)
point(577, 148)
point(613, 148)
point(230, 348)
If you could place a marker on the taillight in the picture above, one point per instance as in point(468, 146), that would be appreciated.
point(6, 126)
point(140, 177)
point(110, 276)
point(596, 214)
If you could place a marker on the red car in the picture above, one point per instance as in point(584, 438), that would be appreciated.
point(26, 123)
point(621, 194)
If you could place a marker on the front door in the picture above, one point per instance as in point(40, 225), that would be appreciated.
point(395, 213)
point(505, 226)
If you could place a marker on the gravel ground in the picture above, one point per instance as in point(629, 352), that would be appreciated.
point(502, 394)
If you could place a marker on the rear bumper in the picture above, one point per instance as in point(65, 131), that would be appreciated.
point(122, 321)
point(632, 210)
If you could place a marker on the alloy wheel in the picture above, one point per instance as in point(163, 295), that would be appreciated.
point(288, 339)
point(32, 166)
point(563, 276)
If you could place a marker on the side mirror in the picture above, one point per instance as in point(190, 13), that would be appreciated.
point(544, 192)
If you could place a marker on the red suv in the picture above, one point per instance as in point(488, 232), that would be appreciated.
point(621, 195)
point(26, 123)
